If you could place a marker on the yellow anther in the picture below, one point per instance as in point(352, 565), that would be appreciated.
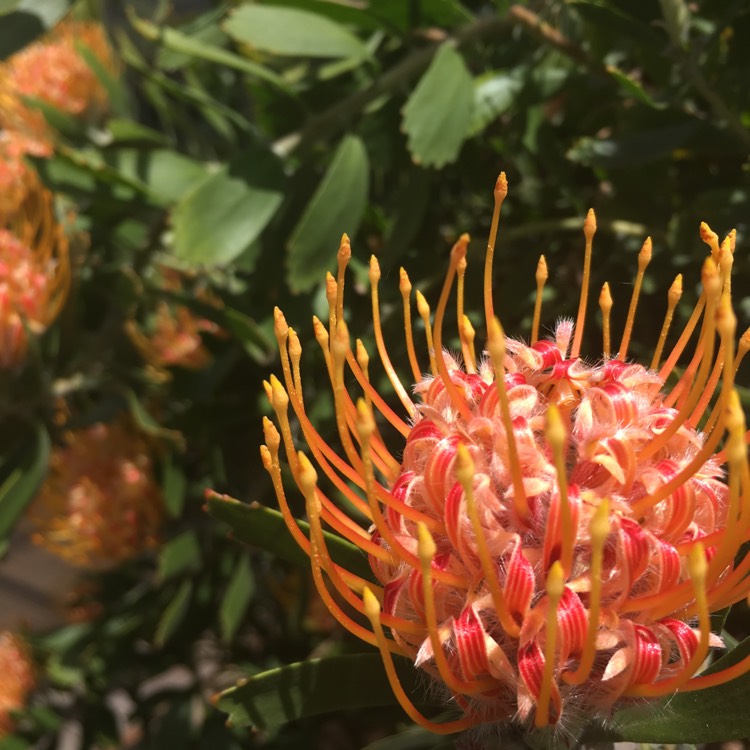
point(423, 309)
point(374, 273)
point(307, 477)
point(271, 435)
point(541, 276)
point(464, 465)
point(280, 326)
point(605, 304)
point(372, 605)
point(279, 396)
point(710, 238)
point(555, 432)
point(426, 547)
point(365, 419)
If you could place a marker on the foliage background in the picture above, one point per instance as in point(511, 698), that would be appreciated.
point(242, 139)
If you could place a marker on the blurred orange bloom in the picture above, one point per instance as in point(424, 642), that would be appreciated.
point(100, 504)
point(17, 678)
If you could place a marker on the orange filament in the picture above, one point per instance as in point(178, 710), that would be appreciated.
point(366, 427)
point(464, 468)
point(605, 305)
point(424, 312)
point(589, 229)
point(307, 484)
point(541, 279)
point(496, 348)
point(458, 252)
point(382, 351)
point(405, 289)
point(372, 610)
point(500, 192)
point(556, 437)
point(644, 258)
point(555, 588)
point(426, 551)
point(673, 297)
point(599, 529)
point(687, 332)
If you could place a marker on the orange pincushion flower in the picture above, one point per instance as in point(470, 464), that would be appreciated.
point(17, 681)
point(556, 532)
point(54, 71)
point(34, 271)
point(100, 504)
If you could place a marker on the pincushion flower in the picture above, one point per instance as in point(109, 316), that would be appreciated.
point(18, 679)
point(54, 71)
point(100, 504)
point(553, 532)
point(34, 271)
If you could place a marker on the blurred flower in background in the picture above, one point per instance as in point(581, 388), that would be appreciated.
point(18, 678)
point(55, 71)
point(555, 532)
point(34, 271)
point(172, 334)
point(100, 504)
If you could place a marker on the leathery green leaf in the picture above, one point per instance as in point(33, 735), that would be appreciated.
point(318, 686)
point(337, 206)
point(438, 115)
point(293, 32)
point(265, 528)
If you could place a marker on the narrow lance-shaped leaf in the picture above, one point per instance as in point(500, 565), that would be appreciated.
point(337, 206)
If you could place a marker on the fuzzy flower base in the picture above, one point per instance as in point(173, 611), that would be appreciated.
point(555, 533)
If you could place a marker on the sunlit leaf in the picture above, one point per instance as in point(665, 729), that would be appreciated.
point(291, 31)
point(336, 207)
point(438, 115)
point(222, 216)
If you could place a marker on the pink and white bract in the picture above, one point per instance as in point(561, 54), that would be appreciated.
point(555, 533)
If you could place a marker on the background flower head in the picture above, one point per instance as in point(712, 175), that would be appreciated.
point(100, 504)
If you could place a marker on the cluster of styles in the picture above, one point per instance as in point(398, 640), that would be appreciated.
point(556, 532)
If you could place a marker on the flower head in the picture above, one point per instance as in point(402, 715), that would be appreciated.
point(100, 504)
point(173, 337)
point(55, 71)
point(554, 531)
point(18, 678)
point(34, 271)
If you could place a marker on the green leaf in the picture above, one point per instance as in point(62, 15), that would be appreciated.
point(23, 21)
point(222, 216)
point(179, 556)
point(129, 131)
point(237, 597)
point(632, 88)
point(165, 174)
point(174, 486)
point(263, 527)
point(173, 614)
point(293, 32)
point(249, 334)
point(633, 148)
point(710, 715)
point(413, 738)
point(29, 468)
point(438, 115)
point(317, 686)
point(174, 40)
point(494, 93)
point(337, 206)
